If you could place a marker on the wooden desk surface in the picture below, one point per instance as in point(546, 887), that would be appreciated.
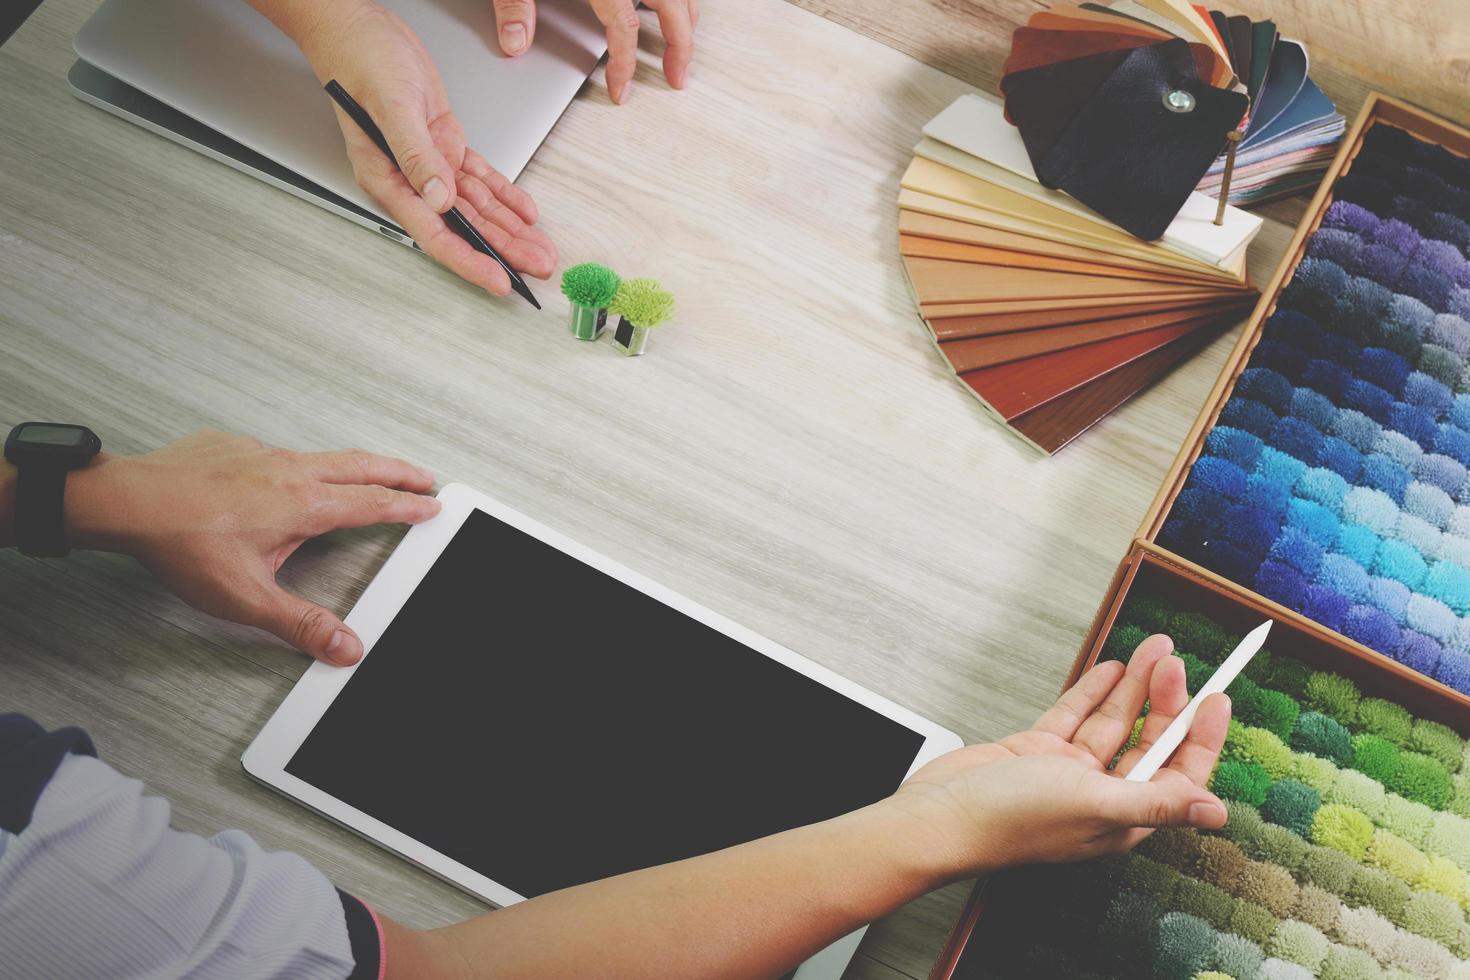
point(792, 453)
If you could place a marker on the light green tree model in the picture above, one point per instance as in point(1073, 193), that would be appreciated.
point(589, 287)
point(641, 305)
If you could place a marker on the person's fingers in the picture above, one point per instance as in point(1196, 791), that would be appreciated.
point(306, 626)
point(503, 190)
point(1072, 708)
point(1159, 803)
point(357, 466)
point(428, 229)
point(527, 248)
point(676, 22)
point(1167, 696)
point(1196, 756)
point(351, 505)
point(1108, 727)
point(406, 128)
point(515, 21)
point(620, 17)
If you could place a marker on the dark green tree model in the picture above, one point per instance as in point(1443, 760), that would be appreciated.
point(589, 287)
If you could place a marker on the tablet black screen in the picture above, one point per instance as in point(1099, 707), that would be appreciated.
point(546, 725)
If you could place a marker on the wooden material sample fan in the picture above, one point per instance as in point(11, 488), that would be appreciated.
point(1048, 313)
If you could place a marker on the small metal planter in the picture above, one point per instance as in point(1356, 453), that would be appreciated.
point(588, 322)
point(629, 338)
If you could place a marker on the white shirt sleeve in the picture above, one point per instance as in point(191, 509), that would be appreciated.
point(99, 884)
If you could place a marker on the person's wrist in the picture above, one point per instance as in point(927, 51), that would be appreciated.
point(931, 839)
point(310, 22)
point(97, 505)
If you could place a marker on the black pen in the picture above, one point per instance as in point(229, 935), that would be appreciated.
point(453, 218)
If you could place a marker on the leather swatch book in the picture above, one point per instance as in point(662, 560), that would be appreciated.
point(1048, 313)
point(1131, 104)
point(975, 127)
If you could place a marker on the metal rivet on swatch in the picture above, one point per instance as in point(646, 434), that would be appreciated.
point(1178, 100)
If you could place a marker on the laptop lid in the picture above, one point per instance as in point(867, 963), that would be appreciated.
point(220, 62)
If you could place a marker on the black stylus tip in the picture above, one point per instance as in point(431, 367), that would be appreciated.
point(525, 291)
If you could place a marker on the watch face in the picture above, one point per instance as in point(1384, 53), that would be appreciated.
point(51, 444)
point(48, 434)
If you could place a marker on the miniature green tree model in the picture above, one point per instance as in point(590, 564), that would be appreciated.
point(590, 287)
point(640, 304)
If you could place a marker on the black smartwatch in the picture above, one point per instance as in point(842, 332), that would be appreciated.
point(43, 453)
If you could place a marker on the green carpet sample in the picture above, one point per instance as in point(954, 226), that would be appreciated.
point(1332, 695)
point(1345, 855)
point(1342, 828)
point(1243, 781)
point(1375, 756)
point(1292, 805)
point(1323, 736)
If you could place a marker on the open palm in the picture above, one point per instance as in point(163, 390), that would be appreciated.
point(1049, 794)
point(384, 66)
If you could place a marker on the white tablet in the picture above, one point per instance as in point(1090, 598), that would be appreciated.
point(531, 715)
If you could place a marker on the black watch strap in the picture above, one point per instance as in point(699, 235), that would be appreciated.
point(40, 509)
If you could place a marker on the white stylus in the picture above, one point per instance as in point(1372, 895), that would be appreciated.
point(1159, 752)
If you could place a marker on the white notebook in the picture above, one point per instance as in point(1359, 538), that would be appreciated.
point(973, 137)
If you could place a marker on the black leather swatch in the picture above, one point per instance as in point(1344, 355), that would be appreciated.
point(1043, 101)
point(1126, 155)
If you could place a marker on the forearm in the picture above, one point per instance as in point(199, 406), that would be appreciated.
point(300, 19)
point(755, 910)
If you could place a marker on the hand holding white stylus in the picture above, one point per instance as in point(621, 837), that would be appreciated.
point(1159, 752)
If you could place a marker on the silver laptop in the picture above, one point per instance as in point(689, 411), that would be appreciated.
point(219, 78)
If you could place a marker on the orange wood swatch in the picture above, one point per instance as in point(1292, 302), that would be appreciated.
point(1056, 423)
point(982, 325)
point(944, 281)
point(939, 248)
point(911, 222)
point(1099, 305)
point(1012, 389)
point(974, 353)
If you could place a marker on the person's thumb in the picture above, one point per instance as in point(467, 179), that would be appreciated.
point(1162, 803)
point(308, 627)
point(516, 22)
point(407, 131)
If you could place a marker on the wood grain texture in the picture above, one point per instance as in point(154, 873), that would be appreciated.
point(941, 281)
point(792, 452)
point(975, 353)
point(948, 328)
point(940, 248)
point(931, 226)
point(1056, 423)
point(1018, 387)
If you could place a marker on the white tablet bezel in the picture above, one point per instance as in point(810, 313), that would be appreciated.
point(293, 720)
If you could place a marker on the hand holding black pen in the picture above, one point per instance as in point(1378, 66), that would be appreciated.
point(500, 210)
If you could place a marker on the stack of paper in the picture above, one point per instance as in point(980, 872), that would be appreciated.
point(1293, 131)
point(1048, 313)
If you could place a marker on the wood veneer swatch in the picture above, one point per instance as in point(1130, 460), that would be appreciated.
point(919, 223)
point(975, 353)
point(945, 208)
point(949, 281)
point(1053, 425)
point(1101, 304)
point(1190, 237)
point(939, 248)
point(1016, 388)
point(960, 327)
